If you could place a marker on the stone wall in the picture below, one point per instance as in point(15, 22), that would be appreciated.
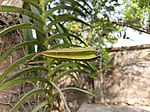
point(128, 81)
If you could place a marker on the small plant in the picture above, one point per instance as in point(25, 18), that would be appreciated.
point(57, 55)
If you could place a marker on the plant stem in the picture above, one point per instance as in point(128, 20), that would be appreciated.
point(62, 96)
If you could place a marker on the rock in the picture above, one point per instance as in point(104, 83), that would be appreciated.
point(111, 108)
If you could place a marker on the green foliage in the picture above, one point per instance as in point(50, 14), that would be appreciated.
point(72, 53)
point(49, 20)
point(67, 33)
point(138, 9)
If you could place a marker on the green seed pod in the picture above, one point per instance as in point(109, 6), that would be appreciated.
point(72, 53)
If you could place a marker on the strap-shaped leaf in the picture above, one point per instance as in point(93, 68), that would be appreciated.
point(46, 2)
point(60, 29)
point(69, 64)
point(39, 37)
point(20, 11)
point(92, 66)
point(27, 35)
point(39, 106)
point(78, 89)
point(14, 48)
point(35, 4)
point(59, 67)
point(73, 2)
point(17, 63)
point(61, 35)
point(4, 21)
point(84, 1)
point(71, 89)
point(22, 80)
point(21, 26)
point(78, 4)
point(72, 53)
point(66, 17)
point(50, 12)
point(27, 96)
point(68, 72)
point(27, 70)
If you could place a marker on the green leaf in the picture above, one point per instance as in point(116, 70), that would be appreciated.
point(35, 4)
point(78, 4)
point(68, 64)
point(46, 2)
point(18, 46)
point(20, 11)
point(26, 70)
point(68, 89)
point(117, 4)
point(60, 29)
point(51, 38)
point(78, 89)
point(39, 37)
point(124, 36)
point(94, 68)
point(84, 1)
point(67, 72)
point(50, 12)
point(13, 66)
point(64, 65)
point(27, 96)
point(77, 80)
point(66, 17)
point(28, 36)
point(110, 8)
point(71, 53)
point(22, 80)
point(21, 26)
point(39, 106)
